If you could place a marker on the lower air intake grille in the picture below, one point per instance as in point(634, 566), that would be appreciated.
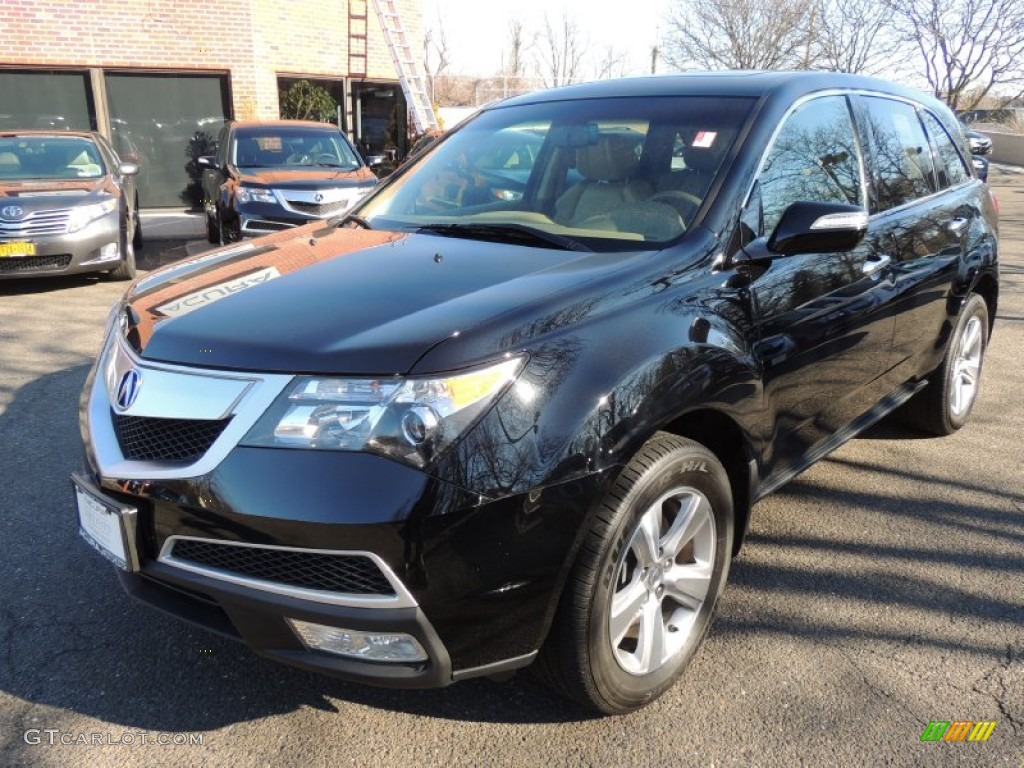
point(344, 573)
point(147, 439)
point(34, 263)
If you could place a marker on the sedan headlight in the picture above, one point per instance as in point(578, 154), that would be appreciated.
point(410, 420)
point(84, 215)
point(255, 195)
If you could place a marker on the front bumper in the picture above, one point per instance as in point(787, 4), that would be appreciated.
point(478, 577)
point(94, 248)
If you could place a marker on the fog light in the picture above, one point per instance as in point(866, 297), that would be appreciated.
point(370, 646)
point(108, 252)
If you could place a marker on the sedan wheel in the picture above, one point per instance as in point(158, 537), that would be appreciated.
point(644, 586)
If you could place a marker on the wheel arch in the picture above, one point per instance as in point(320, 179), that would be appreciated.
point(724, 437)
point(987, 287)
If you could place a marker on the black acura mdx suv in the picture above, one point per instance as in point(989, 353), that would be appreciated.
point(463, 429)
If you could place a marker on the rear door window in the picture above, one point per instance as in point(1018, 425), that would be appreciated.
point(950, 166)
point(902, 158)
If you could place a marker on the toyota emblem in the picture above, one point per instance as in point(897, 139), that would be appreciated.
point(318, 197)
point(128, 389)
point(12, 212)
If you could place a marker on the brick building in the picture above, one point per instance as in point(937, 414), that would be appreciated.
point(159, 77)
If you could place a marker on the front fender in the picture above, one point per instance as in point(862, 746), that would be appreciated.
point(592, 394)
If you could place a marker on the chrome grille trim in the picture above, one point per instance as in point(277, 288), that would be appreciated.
point(401, 598)
point(36, 223)
point(209, 394)
point(318, 209)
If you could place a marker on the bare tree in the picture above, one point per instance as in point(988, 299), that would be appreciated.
point(967, 47)
point(514, 61)
point(854, 36)
point(560, 50)
point(611, 64)
point(738, 34)
point(435, 57)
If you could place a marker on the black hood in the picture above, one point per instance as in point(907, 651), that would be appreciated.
point(345, 301)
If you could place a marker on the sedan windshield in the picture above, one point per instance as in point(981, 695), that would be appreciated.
point(272, 147)
point(605, 174)
point(49, 157)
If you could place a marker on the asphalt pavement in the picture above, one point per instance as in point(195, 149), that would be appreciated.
point(879, 591)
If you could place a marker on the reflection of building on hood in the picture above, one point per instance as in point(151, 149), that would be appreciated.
point(244, 266)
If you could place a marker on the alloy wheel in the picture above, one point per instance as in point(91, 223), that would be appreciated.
point(662, 580)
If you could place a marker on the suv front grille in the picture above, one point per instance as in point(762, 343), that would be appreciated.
point(143, 438)
point(34, 263)
point(318, 209)
point(342, 573)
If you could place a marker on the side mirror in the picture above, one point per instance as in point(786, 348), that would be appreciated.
point(980, 167)
point(207, 161)
point(128, 169)
point(807, 227)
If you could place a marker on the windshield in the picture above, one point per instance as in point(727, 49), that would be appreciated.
point(610, 174)
point(276, 147)
point(49, 157)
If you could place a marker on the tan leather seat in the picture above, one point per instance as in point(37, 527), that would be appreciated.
point(9, 163)
point(606, 167)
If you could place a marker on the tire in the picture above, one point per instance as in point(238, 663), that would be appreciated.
point(126, 269)
point(227, 233)
point(619, 606)
point(946, 403)
point(212, 230)
point(137, 239)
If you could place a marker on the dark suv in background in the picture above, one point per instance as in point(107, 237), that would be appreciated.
point(268, 176)
point(463, 430)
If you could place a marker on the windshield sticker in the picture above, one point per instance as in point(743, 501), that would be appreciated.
point(704, 139)
point(210, 294)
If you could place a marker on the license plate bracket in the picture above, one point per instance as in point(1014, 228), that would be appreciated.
point(106, 524)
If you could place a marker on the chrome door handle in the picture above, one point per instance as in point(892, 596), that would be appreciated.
point(958, 224)
point(876, 263)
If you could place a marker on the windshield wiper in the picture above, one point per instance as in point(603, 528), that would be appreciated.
point(359, 221)
point(505, 233)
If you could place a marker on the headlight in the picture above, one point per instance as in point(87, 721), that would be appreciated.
point(410, 420)
point(256, 195)
point(84, 215)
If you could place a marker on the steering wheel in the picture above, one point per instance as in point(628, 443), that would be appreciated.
point(685, 203)
point(325, 157)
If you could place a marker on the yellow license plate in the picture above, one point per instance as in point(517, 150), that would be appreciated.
point(17, 249)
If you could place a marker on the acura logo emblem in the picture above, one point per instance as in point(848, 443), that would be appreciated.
point(12, 212)
point(128, 389)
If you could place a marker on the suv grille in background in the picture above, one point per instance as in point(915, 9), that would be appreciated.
point(345, 573)
point(318, 209)
point(143, 438)
point(34, 263)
